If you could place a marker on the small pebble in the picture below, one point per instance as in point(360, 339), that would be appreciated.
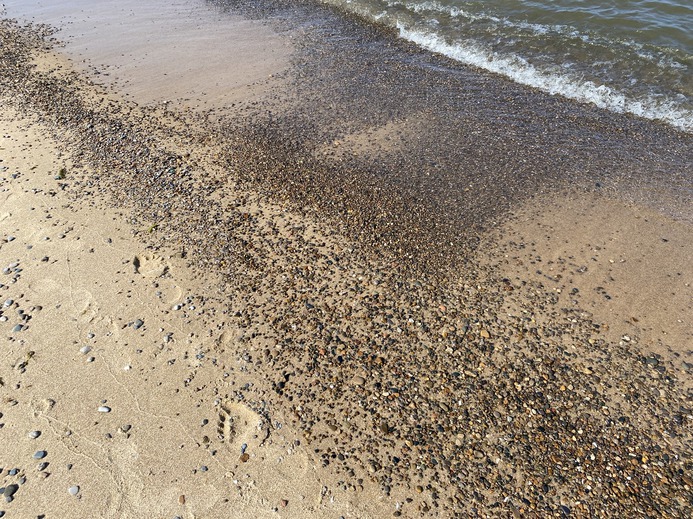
point(104, 409)
point(39, 455)
point(85, 349)
point(34, 434)
point(10, 490)
point(73, 490)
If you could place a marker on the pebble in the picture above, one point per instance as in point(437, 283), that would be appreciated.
point(10, 490)
point(34, 434)
point(18, 328)
point(39, 455)
point(104, 409)
point(138, 324)
point(85, 349)
point(73, 490)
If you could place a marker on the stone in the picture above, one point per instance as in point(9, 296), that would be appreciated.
point(104, 409)
point(138, 324)
point(11, 490)
point(73, 490)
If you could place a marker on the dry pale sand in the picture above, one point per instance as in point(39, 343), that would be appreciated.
point(106, 323)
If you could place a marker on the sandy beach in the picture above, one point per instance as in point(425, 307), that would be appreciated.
point(197, 324)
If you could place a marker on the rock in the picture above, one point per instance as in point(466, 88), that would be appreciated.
point(39, 455)
point(34, 434)
point(138, 324)
point(73, 490)
point(85, 349)
point(358, 380)
point(104, 409)
point(10, 490)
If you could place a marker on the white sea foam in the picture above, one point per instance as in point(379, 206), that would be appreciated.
point(556, 81)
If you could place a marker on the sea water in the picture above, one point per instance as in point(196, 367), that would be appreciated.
point(632, 56)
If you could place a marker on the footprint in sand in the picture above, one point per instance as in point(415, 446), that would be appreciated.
point(81, 300)
point(238, 425)
point(150, 265)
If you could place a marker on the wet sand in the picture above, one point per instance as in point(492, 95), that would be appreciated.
point(475, 384)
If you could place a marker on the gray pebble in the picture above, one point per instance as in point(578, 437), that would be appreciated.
point(34, 434)
point(8, 302)
point(85, 349)
point(138, 324)
point(11, 490)
point(18, 328)
point(73, 490)
point(39, 455)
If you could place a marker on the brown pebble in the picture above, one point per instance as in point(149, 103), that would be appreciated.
point(181, 499)
point(284, 503)
point(245, 457)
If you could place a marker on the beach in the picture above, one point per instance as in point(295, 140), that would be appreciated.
point(282, 292)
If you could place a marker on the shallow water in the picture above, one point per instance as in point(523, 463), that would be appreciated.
point(156, 52)
point(626, 56)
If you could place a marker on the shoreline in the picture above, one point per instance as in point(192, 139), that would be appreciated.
point(423, 395)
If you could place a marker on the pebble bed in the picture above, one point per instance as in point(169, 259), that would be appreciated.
point(395, 369)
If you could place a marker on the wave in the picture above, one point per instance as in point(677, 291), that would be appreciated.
point(554, 80)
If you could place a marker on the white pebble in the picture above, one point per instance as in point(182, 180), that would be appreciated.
point(73, 490)
point(104, 409)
